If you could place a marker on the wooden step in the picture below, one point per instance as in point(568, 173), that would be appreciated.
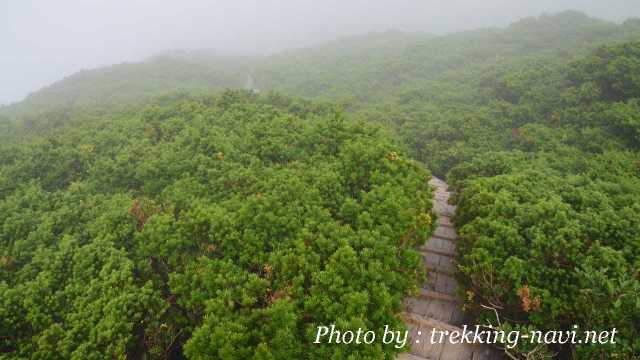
point(487, 353)
point(440, 271)
point(429, 322)
point(437, 309)
point(442, 252)
point(436, 306)
point(439, 246)
point(434, 236)
point(421, 329)
point(444, 220)
point(446, 351)
point(430, 294)
point(439, 263)
point(457, 352)
point(443, 211)
point(442, 283)
point(446, 233)
point(442, 207)
point(447, 225)
point(419, 339)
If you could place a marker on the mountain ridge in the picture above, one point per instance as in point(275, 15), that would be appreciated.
point(329, 71)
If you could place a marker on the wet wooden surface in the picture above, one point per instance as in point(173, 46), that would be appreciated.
point(436, 306)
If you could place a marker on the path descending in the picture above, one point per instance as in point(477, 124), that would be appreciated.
point(250, 84)
point(436, 306)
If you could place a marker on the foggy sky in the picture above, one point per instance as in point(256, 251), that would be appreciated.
point(42, 41)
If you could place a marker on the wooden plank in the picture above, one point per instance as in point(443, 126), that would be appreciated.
point(439, 246)
point(445, 232)
point(457, 352)
point(442, 252)
point(439, 263)
point(430, 294)
point(415, 335)
point(450, 284)
point(418, 306)
point(431, 260)
point(439, 282)
point(436, 306)
point(443, 283)
point(458, 317)
point(441, 271)
point(486, 353)
point(444, 209)
point(428, 322)
point(421, 345)
point(441, 310)
point(447, 264)
point(444, 220)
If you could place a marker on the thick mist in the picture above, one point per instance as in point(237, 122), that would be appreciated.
point(43, 41)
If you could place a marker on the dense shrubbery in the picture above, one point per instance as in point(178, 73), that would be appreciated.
point(551, 225)
point(303, 210)
point(368, 70)
point(220, 227)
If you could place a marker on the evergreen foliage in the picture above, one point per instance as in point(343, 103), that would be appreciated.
point(228, 226)
point(550, 218)
point(224, 226)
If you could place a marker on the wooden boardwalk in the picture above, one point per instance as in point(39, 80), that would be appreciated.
point(436, 306)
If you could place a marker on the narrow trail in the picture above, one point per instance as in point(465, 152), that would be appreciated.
point(250, 84)
point(436, 306)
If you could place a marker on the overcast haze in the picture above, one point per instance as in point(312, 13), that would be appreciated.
point(42, 41)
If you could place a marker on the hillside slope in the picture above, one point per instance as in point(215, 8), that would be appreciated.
point(355, 71)
point(373, 70)
point(536, 127)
